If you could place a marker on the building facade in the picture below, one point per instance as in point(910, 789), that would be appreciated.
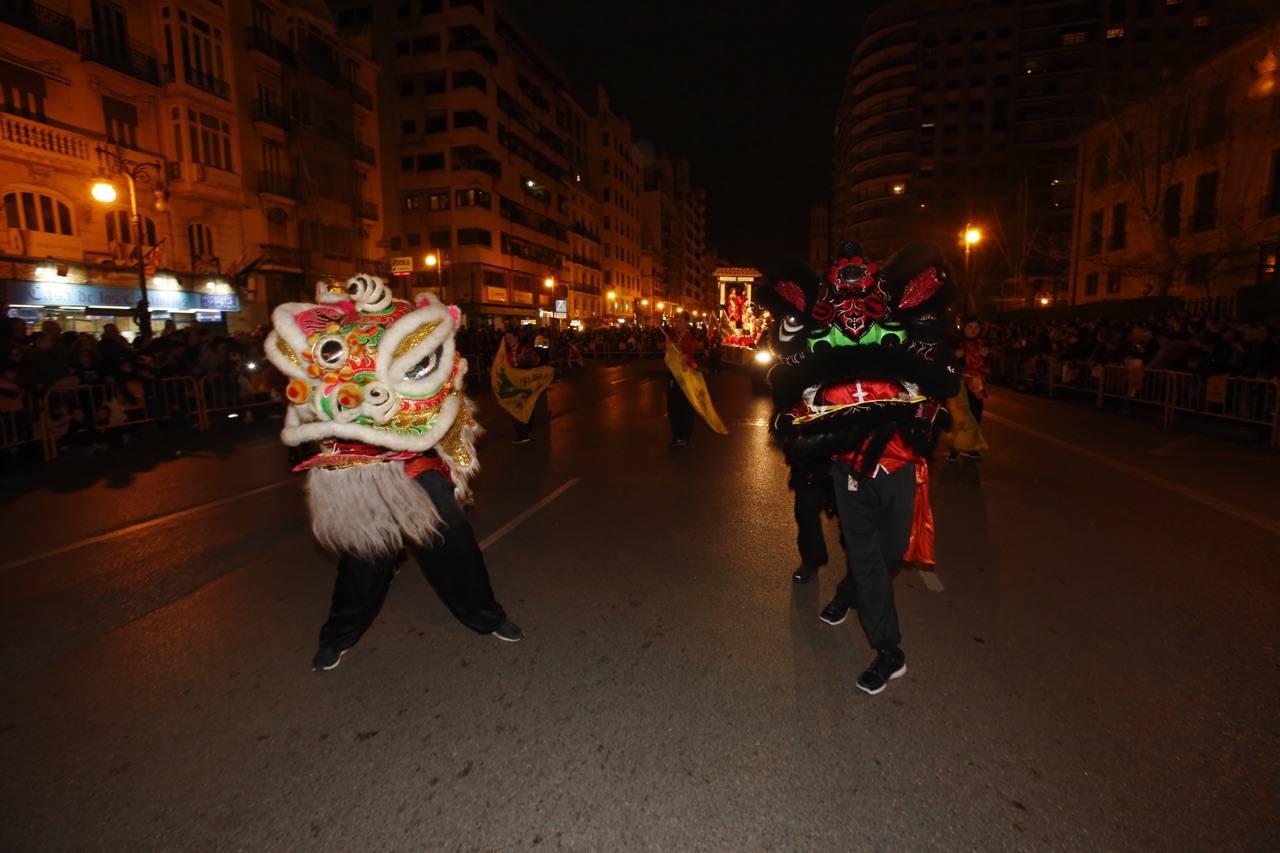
point(966, 113)
point(819, 237)
point(216, 100)
point(1180, 193)
point(618, 183)
point(673, 237)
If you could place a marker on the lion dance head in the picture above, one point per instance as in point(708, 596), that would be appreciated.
point(375, 382)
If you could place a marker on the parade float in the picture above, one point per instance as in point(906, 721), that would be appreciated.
point(740, 321)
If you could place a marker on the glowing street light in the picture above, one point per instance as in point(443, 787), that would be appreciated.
point(103, 191)
point(431, 260)
point(661, 305)
point(972, 235)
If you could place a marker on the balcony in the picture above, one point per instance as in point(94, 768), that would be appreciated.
point(127, 58)
point(268, 45)
point(361, 95)
point(40, 21)
point(35, 141)
point(271, 113)
point(283, 256)
point(199, 79)
point(277, 184)
point(364, 153)
point(368, 210)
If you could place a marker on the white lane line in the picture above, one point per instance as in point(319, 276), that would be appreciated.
point(931, 581)
point(143, 525)
point(1176, 444)
point(1259, 520)
point(524, 516)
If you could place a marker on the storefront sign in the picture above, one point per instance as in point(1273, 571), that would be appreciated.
point(524, 298)
point(495, 294)
point(84, 295)
point(402, 266)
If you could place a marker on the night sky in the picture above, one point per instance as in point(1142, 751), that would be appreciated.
point(746, 92)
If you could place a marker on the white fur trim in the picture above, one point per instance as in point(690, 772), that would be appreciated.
point(391, 369)
point(369, 510)
point(300, 433)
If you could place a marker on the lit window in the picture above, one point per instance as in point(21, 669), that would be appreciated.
point(1201, 21)
point(1115, 33)
point(1074, 38)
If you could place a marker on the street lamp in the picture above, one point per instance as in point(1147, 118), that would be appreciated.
point(435, 260)
point(971, 237)
point(104, 191)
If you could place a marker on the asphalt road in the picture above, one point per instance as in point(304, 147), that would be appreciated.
point(1092, 667)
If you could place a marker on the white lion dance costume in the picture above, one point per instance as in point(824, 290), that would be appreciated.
point(376, 383)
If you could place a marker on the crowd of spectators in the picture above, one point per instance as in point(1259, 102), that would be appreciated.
point(1203, 346)
point(101, 381)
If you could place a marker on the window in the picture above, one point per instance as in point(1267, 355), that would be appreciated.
point(439, 239)
point(1268, 255)
point(1114, 33)
point(1113, 281)
point(1205, 213)
point(431, 7)
point(1271, 201)
point(470, 118)
point(474, 198)
point(1091, 284)
point(403, 47)
point(200, 44)
point(1078, 37)
point(1101, 162)
point(1213, 118)
point(475, 237)
point(200, 240)
point(1172, 212)
point(434, 83)
point(430, 162)
point(23, 91)
point(425, 44)
point(120, 228)
point(412, 201)
point(470, 80)
point(37, 212)
point(1095, 232)
point(406, 164)
point(413, 239)
point(438, 200)
point(408, 86)
point(408, 127)
point(210, 139)
point(1198, 269)
point(1119, 224)
point(436, 122)
point(122, 122)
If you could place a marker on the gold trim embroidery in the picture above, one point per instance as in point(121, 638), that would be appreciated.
point(414, 338)
point(287, 351)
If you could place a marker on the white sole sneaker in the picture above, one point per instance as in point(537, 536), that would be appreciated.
point(333, 665)
point(901, 672)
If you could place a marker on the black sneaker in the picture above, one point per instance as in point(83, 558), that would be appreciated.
point(806, 572)
point(508, 631)
point(953, 456)
point(679, 444)
point(887, 666)
point(327, 658)
point(971, 455)
point(524, 440)
point(835, 612)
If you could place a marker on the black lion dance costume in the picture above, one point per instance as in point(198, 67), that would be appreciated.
point(376, 383)
point(862, 369)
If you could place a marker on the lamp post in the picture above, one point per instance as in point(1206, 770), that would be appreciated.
point(435, 260)
point(104, 191)
point(971, 237)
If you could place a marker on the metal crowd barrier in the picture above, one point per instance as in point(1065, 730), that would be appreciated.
point(228, 395)
point(93, 411)
point(1166, 393)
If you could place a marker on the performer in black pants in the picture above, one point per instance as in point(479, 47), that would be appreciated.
point(452, 563)
point(812, 495)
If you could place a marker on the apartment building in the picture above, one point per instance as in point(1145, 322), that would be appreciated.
point(1180, 192)
point(967, 112)
point(475, 136)
point(673, 235)
point(618, 183)
point(819, 237)
point(206, 104)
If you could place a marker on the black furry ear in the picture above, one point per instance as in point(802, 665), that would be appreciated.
point(788, 290)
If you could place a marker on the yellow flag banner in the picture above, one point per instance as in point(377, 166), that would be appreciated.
point(694, 387)
point(518, 389)
point(965, 435)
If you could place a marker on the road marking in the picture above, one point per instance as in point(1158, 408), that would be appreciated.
point(524, 516)
point(143, 525)
point(1176, 444)
point(931, 581)
point(1259, 520)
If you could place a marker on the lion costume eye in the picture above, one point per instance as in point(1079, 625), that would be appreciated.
point(330, 352)
point(423, 368)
